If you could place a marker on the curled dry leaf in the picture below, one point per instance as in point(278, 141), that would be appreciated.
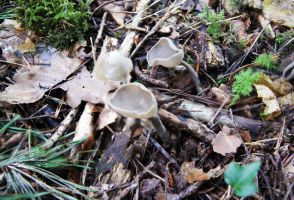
point(115, 8)
point(279, 86)
point(272, 108)
point(85, 87)
point(287, 100)
point(226, 142)
point(31, 84)
point(106, 117)
point(193, 174)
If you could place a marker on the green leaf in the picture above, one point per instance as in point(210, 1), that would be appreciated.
point(241, 178)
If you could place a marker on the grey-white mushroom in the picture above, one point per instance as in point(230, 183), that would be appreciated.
point(136, 101)
point(165, 53)
point(113, 66)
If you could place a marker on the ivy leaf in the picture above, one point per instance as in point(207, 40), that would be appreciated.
point(241, 178)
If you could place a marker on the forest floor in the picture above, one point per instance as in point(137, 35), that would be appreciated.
point(161, 100)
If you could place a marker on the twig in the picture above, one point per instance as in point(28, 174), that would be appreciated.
point(168, 13)
point(239, 62)
point(148, 79)
point(163, 152)
point(128, 42)
point(196, 128)
point(61, 129)
point(99, 35)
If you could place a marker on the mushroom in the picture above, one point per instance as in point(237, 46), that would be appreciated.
point(165, 53)
point(134, 100)
point(113, 66)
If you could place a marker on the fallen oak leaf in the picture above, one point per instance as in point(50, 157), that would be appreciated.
point(31, 84)
point(225, 142)
point(85, 87)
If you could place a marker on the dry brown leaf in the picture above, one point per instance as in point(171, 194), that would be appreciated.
point(31, 84)
point(106, 117)
point(239, 28)
point(287, 100)
point(279, 86)
point(272, 108)
point(85, 87)
point(191, 173)
point(282, 86)
point(27, 46)
point(225, 142)
point(116, 9)
point(222, 94)
point(245, 135)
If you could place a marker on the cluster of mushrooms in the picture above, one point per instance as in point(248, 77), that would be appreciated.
point(134, 100)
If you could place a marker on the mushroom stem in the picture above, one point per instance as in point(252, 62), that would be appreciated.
point(288, 72)
point(160, 129)
point(195, 77)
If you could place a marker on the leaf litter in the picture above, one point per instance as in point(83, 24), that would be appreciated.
point(122, 158)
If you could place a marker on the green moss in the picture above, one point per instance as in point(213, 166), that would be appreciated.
point(267, 61)
point(243, 84)
point(60, 22)
point(216, 25)
point(285, 36)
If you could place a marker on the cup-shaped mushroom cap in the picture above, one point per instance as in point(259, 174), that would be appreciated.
point(113, 66)
point(165, 53)
point(134, 100)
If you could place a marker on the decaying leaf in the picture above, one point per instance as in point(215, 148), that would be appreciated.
point(116, 9)
point(287, 100)
point(226, 142)
point(222, 94)
point(279, 86)
point(27, 46)
point(280, 12)
point(12, 40)
point(85, 87)
point(282, 86)
point(32, 83)
point(265, 23)
point(193, 174)
point(272, 108)
point(106, 117)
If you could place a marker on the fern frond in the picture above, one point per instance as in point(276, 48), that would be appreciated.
point(243, 83)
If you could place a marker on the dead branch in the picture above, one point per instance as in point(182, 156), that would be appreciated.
point(149, 80)
point(198, 129)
